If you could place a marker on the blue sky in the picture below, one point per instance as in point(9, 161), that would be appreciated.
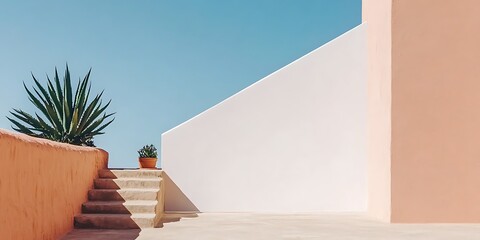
point(161, 62)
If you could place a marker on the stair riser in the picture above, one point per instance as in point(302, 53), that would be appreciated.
point(112, 222)
point(120, 196)
point(118, 209)
point(119, 184)
point(112, 174)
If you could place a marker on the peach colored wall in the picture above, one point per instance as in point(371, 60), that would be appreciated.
point(436, 111)
point(42, 185)
point(377, 16)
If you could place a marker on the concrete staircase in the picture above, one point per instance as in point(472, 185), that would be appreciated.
point(124, 199)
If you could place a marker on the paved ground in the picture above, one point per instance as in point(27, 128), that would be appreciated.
point(235, 226)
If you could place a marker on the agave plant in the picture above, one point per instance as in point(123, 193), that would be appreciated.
point(67, 117)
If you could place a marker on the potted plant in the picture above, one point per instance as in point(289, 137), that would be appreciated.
point(147, 156)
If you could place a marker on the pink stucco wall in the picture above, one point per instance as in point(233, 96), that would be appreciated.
point(435, 111)
point(377, 16)
point(424, 68)
point(42, 185)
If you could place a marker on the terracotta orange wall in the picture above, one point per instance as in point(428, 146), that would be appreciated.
point(42, 185)
point(436, 111)
point(377, 16)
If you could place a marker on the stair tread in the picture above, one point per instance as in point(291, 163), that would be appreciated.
point(114, 215)
point(131, 169)
point(152, 179)
point(136, 173)
point(127, 190)
point(129, 202)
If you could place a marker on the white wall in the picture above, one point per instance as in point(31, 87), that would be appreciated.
point(294, 141)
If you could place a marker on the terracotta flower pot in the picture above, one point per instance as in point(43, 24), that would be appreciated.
point(147, 162)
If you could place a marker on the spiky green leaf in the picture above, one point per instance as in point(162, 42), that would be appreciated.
point(71, 118)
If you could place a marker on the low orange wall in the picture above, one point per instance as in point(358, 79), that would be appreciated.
point(43, 185)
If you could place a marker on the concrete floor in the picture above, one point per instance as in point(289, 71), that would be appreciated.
point(239, 226)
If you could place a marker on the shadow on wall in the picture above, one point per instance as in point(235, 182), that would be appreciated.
point(175, 199)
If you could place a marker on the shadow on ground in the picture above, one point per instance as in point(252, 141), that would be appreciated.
point(175, 217)
point(101, 221)
point(122, 234)
point(103, 234)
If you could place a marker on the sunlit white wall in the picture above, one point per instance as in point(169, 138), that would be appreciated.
point(294, 141)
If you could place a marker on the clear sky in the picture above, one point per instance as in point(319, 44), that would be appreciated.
point(161, 62)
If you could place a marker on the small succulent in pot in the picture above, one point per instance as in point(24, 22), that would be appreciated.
point(148, 151)
point(147, 156)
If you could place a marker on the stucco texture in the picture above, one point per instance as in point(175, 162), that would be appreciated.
point(377, 16)
point(435, 111)
point(43, 185)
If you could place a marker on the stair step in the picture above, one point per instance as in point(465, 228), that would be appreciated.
point(122, 194)
point(119, 207)
point(115, 221)
point(105, 183)
point(130, 173)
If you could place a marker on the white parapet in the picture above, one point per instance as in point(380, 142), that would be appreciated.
point(295, 141)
